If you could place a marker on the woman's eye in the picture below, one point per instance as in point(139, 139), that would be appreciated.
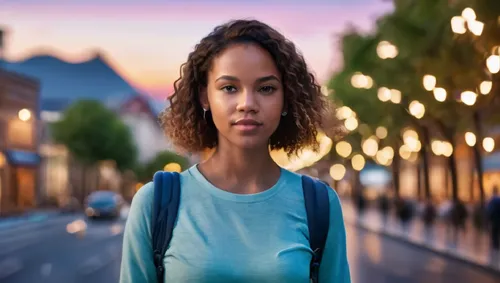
point(229, 89)
point(267, 89)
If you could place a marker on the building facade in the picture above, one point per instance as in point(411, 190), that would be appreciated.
point(19, 159)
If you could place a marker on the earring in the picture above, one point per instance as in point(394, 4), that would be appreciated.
point(284, 113)
point(204, 113)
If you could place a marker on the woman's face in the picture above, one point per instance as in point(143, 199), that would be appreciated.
point(245, 96)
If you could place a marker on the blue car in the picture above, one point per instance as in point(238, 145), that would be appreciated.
point(103, 204)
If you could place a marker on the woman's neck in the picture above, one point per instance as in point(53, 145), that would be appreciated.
point(241, 171)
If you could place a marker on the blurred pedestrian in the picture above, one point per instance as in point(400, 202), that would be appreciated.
point(244, 90)
point(493, 209)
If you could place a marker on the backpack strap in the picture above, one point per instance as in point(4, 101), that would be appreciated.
point(318, 219)
point(165, 207)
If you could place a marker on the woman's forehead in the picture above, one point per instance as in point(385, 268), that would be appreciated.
point(244, 61)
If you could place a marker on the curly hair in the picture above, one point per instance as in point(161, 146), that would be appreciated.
point(308, 110)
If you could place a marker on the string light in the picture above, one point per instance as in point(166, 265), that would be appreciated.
point(485, 87)
point(440, 94)
point(458, 25)
point(417, 109)
point(488, 144)
point(468, 98)
point(493, 64)
point(429, 82)
point(358, 162)
point(343, 148)
point(337, 172)
point(386, 50)
point(381, 132)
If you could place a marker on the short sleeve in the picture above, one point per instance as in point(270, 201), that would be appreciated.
point(137, 256)
point(334, 266)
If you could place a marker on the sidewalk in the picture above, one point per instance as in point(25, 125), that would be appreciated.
point(471, 247)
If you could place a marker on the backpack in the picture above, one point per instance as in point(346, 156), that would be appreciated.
point(166, 205)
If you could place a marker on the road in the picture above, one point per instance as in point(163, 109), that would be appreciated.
point(47, 252)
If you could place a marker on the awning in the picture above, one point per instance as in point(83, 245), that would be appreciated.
point(491, 162)
point(20, 157)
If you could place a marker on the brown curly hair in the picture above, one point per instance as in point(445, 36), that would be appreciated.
point(307, 108)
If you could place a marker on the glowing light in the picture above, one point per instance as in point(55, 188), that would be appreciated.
point(488, 144)
point(381, 132)
point(417, 109)
point(344, 149)
point(470, 139)
point(24, 114)
point(345, 112)
point(429, 82)
point(351, 123)
point(358, 80)
point(485, 87)
point(476, 27)
point(386, 50)
point(468, 98)
point(395, 96)
point(384, 94)
point(404, 152)
point(337, 172)
point(468, 14)
point(370, 146)
point(440, 94)
point(493, 64)
point(441, 148)
point(458, 25)
point(358, 162)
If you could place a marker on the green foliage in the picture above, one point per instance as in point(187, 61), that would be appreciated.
point(145, 172)
point(93, 133)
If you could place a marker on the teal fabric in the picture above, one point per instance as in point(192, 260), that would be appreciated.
point(225, 237)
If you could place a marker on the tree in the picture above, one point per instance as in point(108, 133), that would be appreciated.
point(422, 33)
point(372, 114)
point(93, 133)
point(145, 172)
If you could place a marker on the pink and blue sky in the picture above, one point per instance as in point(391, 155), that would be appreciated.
point(147, 40)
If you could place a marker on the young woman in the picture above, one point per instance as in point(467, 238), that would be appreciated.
point(243, 90)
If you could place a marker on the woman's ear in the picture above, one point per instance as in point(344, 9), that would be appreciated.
point(204, 98)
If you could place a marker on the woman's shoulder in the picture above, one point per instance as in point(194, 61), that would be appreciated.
point(143, 198)
point(332, 193)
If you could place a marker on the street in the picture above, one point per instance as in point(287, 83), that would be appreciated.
point(53, 251)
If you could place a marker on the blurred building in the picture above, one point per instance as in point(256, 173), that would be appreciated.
point(19, 140)
point(140, 113)
point(63, 83)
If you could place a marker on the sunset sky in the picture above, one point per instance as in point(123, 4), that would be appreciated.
point(147, 40)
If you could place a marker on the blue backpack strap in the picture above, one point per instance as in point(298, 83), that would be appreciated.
point(165, 207)
point(318, 219)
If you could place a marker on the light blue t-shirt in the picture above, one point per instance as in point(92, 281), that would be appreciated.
point(223, 237)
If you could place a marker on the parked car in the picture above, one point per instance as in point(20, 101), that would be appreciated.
point(103, 204)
